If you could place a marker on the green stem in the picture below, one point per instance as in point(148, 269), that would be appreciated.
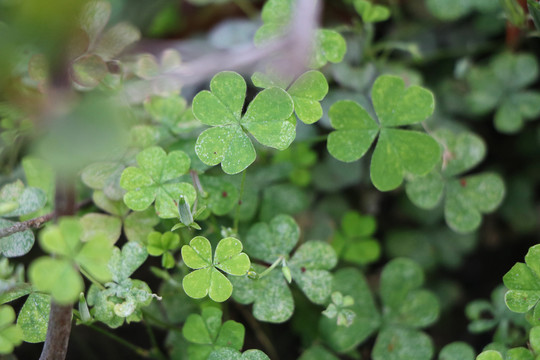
point(272, 267)
point(247, 8)
point(155, 346)
point(91, 278)
point(237, 214)
point(138, 350)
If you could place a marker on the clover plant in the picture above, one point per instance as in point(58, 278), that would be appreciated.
point(378, 178)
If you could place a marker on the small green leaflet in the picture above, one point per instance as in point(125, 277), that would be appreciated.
point(156, 178)
point(371, 12)
point(267, 118)
point(11, 334)
point(207, 279)
point(398, 152)
point(523, 282)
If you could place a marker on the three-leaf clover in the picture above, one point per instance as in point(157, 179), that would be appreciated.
point(466, 197)
point(338, 309)
point(267, 118)
point(156, 178)
point(207, 279)
point(354, 242)
point(122, 297)
point(163, 244)
point(523, 282)
point(59, 275)
point(306, 92)
point(501, 86)
point(398, 151)
point(371, 12)
point(207, 333)
point(10, 334)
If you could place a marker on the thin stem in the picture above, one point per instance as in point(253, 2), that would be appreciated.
point(272, 267)
point(247, 8)
point(34, 223)
point(153, 340)
point(140, 351)
point(237, 214)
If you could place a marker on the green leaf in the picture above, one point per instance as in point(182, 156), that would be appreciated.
point(231, 354)
point(282, 199)
point(534, 338)
point(22, 200)
point(138, 225)
point(17, 244)
point(94, 17)
point(156, 178)
point(306, 92)
point(397, 343)
point(276, 15)
point(158, 243)
point(470, 196)
point(10, 334)
point(370, 12)
point(515, 109)
point(206, 279)
point(515, 71)
point(355, 131)
point(123, 263)
point(269, 241)
point(116, 39)
point(398, 278)
point(330, 46)
point(222, 195)
point(489, 355)
point(104, 176)
point(94, 257)
point(113, 207)
point(523, 282)
point(309, 268)
point(14, 291)
point(172, 112)
point(268, 119)
point(89, 70)
point(350, 282)
point(63, 238)
point(34, 317)
point(106, 226)
point(317, 352)
point(56, 277)
point(465, 151)
point(534, 10)
point(457, 351)
point(272, 300)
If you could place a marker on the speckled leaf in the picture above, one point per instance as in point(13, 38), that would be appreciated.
point(272, 300)
point(398, 278)
point(330, 46)
point(231, 354)
point(56, 277)
point(17, 244)
point(426, 191)
point(306, 92)
point(156, 178)
point(105, 176)
point(22, 200)
point(309, 268)
point(466, 150)
point(469, 197)
point(317, 352)
point(399, 152)
point(14, 291)
point(116, 39)
point(95, 224)
point(268, 118)
point(222, 195)
point(418, 309)
point(457, 351)
point(198, 254)
point(282, 199)
point(355, 131)
point(230, 258)
point(395, 343)
point(523, 282)
point(371, 12)
point(123, 263)
point(350, 282)
point(113, 207)
point(34, 317)
point(268, 241)
point(515, 109)
point(276, 15)
point(515, 71)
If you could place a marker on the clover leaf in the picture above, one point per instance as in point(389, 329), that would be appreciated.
point(467, 197)
point(207, 279)
point(354, 243)
point(338, 309)
point(59, 275)
point(267, 118)
point(398, 152)
point(172, 112)
point(10, 334)
point(163, 244)
point(222, 195)
point(271, 297)
point(501, 86)
point(17, 244)
point(156, 178)
point(306, 92)
point(371, 12)
point(457, 350)
point(231, 354)
point(207, 333)
point(310, 263)
point(523, 282)
point(34, 317)
point(330, 46)
point(17, 200)
point(105, 176)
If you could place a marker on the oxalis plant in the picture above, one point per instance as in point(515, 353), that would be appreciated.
point(369, 191)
